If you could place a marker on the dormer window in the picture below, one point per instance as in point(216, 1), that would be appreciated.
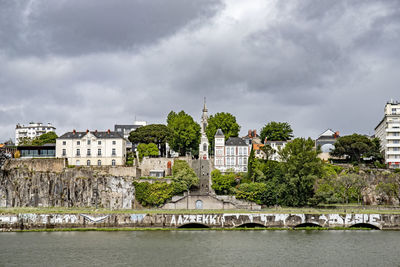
point(78, 143)
point(99, 142)
point(88, 141)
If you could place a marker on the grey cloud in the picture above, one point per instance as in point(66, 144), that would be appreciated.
point(76, 27)
point(314, 64)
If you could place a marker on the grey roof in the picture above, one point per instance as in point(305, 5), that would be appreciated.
point(219, 133)
point(101, 135)
point(236, 141)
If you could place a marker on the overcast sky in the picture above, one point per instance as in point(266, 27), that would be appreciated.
point(94, 63)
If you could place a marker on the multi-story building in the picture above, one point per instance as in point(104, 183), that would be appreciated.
point(388, 132)
point(32, 130)
point(203, 146)
point(126, 129)
point(232, 154)
point(92, 148)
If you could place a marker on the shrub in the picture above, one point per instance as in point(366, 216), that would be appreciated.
point(222, 184)
point(155, 194)
point(251, 192)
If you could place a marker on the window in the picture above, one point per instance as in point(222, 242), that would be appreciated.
point(232, 151)
point(64, 152)
point(204, 147)
point(88, 152)
point(78, 163)
point(113, 152)
point(240, 151)
point(88, 163)
point(114, 142)
point(233, 161)
point(78, 143)
point(393, 111)
point(113, 162)
point(99, 163)
point(99, 142)
point(245, 161)
point(99, 152)
point(228, 161)
point(240, 161)
point(228, 151)
point(64, 143)
point(88, 141)
point(395, 141)
point(78, 152)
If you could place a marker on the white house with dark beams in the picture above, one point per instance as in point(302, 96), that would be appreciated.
point(92, 148)
point(232, 154)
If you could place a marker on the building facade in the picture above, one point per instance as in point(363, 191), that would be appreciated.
point(204, 144)
point(231, 155)
point(325, 142)
point(32, 130)
point(388, 132)
point(92, 148)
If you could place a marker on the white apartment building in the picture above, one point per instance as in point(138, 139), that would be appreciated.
point(92, 148)
point(32, 130)
point(232, 154)
point(388, 132)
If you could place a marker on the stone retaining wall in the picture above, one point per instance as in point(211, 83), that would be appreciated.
point(225, 220)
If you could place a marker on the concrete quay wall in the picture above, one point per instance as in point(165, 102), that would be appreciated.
point(26, 221)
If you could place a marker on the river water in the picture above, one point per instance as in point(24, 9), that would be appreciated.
point(201, 248)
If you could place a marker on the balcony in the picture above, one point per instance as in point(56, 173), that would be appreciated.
point(393, 137)
point(393, 130)
point(393, 145)
point(393, 153)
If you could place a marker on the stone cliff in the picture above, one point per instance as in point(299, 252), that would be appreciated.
point(48, 183)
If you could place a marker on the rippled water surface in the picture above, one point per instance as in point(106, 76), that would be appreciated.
point(201, 248)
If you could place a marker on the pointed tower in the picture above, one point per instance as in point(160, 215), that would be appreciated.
point(203, 147)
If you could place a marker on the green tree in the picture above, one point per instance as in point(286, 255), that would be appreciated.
point(354, 147)
point(223, 184)
point(301, 167)
point(155, 194)
point(184, 176)
point(268, 150)
point(47, 138)
point(147, 150)
point(185, 132)
point(158, 134)
point(250, 164)
point(251, 192)
point(276, 131)
point(224, 121)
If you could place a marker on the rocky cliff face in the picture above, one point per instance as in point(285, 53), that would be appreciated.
point(69, 187)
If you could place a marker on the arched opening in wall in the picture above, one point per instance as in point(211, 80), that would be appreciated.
point(365, 225)
point(194, 226)
point(308, 225)
point(251, 225)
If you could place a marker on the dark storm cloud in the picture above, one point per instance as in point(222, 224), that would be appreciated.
point(90, 64)
point(76, 27)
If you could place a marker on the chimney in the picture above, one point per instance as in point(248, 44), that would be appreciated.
point(336, 135)
point(254, 133)
point(249, 133)
point(95, 131)
point(87, 130)
point(108, 131)
point(73, 131)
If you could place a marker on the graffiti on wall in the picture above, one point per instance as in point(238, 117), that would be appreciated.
point(95, 219)
point(289, 220)
point(137, 218)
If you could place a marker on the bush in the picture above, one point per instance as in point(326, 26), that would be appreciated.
point(184, 176)
point(251, 192)
point(222, 184)
point(155, 194)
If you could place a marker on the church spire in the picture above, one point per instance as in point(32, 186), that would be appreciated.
point(205, 107)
